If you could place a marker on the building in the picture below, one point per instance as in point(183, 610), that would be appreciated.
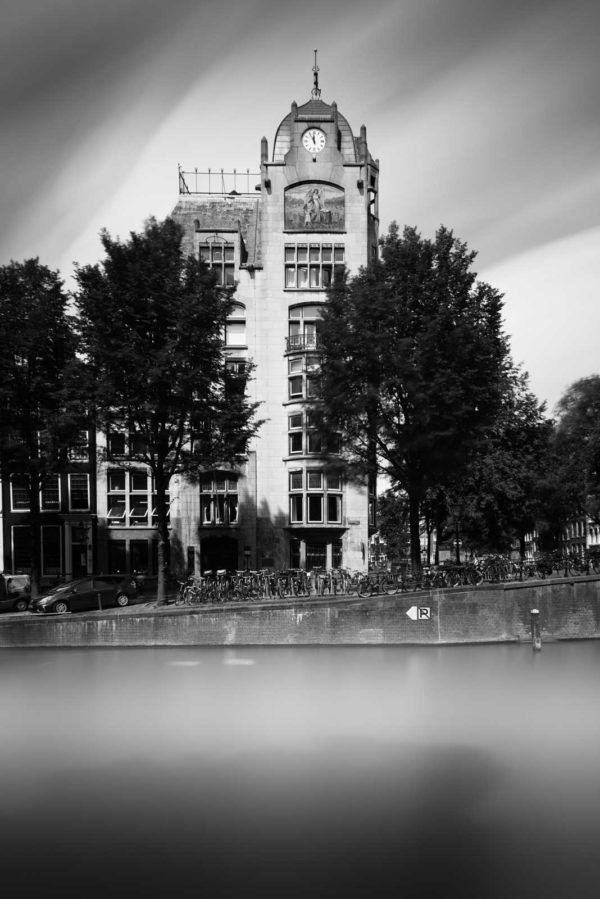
point(313, 210)
point(68, 520)
point(281, 236)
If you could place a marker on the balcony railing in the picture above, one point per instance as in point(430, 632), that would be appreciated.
point(217, 182)
point(302, 342)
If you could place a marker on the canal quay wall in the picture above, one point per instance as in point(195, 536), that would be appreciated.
point(569, 609)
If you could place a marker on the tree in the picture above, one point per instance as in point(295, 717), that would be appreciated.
point(577, 446)
point(392, 523)
point(501, 495)
point(37, 420)
point(413, 357)
point(151, 325)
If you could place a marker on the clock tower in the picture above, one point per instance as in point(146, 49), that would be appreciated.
point(314, 213)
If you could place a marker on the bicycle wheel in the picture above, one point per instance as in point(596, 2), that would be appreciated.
point(352, 586)
point(473, 577)
point(364, 587)
point(391, 586)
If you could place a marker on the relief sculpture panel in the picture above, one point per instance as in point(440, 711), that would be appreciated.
point(314, 206)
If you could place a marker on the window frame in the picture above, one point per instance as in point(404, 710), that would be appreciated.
point(72, 475)
point(219, 499)
point(24, 505)
point(313, 265)
point(209, 249)
point(56, 487)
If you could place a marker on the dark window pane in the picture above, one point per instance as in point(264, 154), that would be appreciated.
point(315, 507)
point(78, 490)
point(117, 557)
point(336, 554)
point(21, 537)
point(294, 554)
point(296, 507)
point(51, 562)
point(316, 555)
point(334, 509)
point(296, 442)
point(295, 480)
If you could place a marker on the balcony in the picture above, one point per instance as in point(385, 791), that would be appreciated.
point(300, 342)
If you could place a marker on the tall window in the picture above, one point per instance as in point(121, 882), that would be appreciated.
point(19, 490)
point(219, 255)
point(296, 496)
point(21, 549)
point(296, 434)
point(79, 451)
point(50, 494)
point(131, 499)
point(313, 266)
point(315, 494)
point(219, 499)
point(303, 436)
point(303, 328)
point(79, 492)
point(235, 329)
point(51, 550)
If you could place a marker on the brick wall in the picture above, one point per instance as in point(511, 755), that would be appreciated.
point(568, 610)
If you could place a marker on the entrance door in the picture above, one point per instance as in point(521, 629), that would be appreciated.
point(219, 552)
point(79, 557)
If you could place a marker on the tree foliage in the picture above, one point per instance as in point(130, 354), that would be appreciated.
point(501, 495)
point(392, 523)
point(413, 362)
point(577, 446)
point(37, 418)
point(151, 324)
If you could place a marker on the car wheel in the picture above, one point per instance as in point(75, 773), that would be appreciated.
point(22, 605)
point(122, 600)
point(61, 606)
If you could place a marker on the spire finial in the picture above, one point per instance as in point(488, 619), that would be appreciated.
point(316, 91)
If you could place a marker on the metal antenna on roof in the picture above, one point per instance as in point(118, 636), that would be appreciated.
point(316, 91)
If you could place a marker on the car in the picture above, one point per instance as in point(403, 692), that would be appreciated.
point(92, 592)
point(15, 592)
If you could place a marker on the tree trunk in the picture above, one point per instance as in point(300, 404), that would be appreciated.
point(163, 539)
point(415, 529)
point(457, 538)
point(35, 533)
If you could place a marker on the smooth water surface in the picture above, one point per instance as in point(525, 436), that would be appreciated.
point(304, 772)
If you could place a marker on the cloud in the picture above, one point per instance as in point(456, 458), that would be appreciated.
point(551, 311)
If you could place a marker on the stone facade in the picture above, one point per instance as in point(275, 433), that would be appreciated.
point(315, 208)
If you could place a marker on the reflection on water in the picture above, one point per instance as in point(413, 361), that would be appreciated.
point(457, 771)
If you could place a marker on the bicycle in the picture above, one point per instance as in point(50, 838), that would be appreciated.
point(376, 583)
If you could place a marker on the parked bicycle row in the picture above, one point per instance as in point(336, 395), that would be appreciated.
point(240, 586)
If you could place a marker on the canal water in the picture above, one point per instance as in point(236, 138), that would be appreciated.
point(469, 771)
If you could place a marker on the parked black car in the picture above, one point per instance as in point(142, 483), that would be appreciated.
point(15, 592)
point(92, 592)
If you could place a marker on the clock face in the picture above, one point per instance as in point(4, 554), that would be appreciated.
point(313, 140)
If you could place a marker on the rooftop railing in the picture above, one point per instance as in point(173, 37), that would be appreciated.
point(218, 182)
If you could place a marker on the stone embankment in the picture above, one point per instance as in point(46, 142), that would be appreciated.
point(569, 608)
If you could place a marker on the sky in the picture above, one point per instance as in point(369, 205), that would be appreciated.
point(484, 115)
